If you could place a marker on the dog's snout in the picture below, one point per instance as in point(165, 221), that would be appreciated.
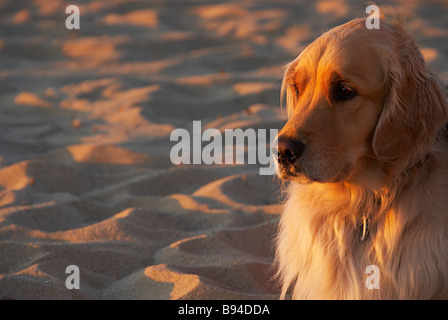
point(289, 150)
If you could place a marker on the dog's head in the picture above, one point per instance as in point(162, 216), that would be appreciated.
point(358, 100)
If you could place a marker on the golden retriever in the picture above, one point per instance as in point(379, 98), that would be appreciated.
point(366, 151)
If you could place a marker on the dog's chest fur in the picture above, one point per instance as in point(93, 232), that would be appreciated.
point(321, 256)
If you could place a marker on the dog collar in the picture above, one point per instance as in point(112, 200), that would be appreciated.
point(363, 227)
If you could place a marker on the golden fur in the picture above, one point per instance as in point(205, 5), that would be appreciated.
point(382, 154)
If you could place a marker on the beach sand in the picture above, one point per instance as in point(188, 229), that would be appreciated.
point(85, 121)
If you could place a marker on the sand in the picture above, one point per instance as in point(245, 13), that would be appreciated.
point(85, 121)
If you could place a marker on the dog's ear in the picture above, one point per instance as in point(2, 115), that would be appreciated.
point(287, 88)
point(415, 107)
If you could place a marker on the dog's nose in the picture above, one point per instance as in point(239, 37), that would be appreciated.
point(289, 150)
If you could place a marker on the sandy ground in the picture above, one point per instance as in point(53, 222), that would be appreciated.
point(85, 121)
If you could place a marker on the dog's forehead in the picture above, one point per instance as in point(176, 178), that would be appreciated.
point(347, 51)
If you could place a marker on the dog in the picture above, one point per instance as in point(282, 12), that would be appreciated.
point(365, 156)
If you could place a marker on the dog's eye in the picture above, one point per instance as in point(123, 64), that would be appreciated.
point(344, 92)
